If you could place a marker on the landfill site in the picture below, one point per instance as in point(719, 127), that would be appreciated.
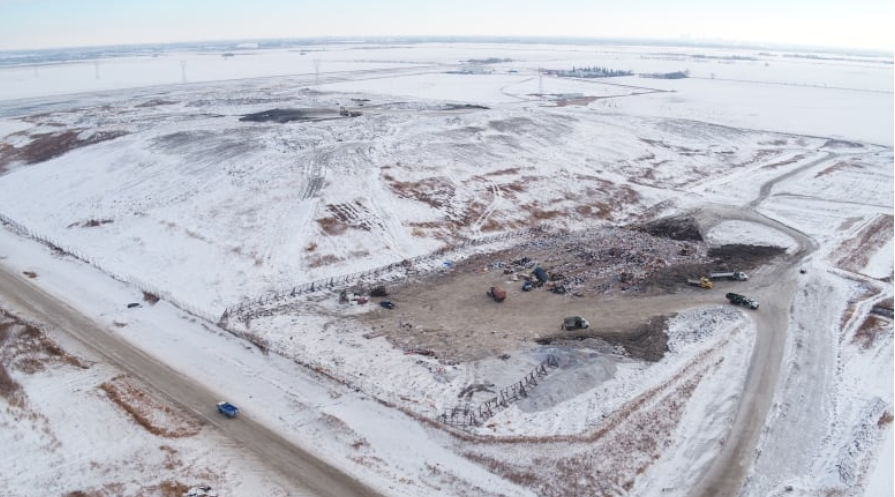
point(600, 276)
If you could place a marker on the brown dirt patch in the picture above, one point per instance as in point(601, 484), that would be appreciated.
point(449, 315)
point(871, 330)
point(153, 414)
point(150, 298)
point(25, 348)
point(855, 253)
point(30, 274)
point(46, 146)
point(437, 191)
point(836, 167)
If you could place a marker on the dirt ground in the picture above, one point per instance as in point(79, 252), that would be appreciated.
point(624, 282)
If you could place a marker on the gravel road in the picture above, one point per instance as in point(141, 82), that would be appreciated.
point(310, 476)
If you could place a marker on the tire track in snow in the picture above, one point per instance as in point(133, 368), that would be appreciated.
point(497, 197)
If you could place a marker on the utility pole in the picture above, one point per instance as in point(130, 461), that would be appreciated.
point(540, 84)
point(96, 68)
point(183, 71)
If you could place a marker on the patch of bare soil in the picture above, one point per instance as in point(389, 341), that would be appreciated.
point(153, 414)
point(46, 146)
point(837, 167)
point(437, 192)
point(26, 349)
point(648, 342)
point(775, 165)
point(150, 298)
point(30, 274)
point(871, 330)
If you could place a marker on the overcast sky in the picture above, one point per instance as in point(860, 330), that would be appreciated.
point(61, 23)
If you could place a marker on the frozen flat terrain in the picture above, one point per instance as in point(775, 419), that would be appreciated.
point(234, 189)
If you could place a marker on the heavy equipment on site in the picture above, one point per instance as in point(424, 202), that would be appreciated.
point(729, 275)
point(742, 300)
point(701, 283)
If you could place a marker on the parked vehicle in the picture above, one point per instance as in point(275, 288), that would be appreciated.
point(388, 304)
point(527, 286)
point(378, 291)
point(738, 299)
point(228, 409)
point(731, 275)
point(497, 293)
point(541, 275)
point(574, 323)
point(134, 305)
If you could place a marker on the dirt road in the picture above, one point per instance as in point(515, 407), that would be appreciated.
point(775, 289)
point(310, 476)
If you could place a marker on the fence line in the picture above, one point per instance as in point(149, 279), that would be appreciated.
point(254, 307)
point(463, 416)
point(124, 278)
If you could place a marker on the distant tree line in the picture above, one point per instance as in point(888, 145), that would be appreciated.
point(666, 75)
point(590, 72)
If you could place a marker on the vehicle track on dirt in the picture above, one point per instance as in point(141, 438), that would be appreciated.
point(309, 475)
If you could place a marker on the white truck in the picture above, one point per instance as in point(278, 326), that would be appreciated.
point(729, 275)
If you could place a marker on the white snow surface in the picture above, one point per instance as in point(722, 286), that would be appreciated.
point(209, 211)
point(747, 233)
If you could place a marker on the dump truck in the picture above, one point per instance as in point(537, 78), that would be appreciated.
point(729, 275)
point(738, 299)
point(497, 293)
point(574, 323)
point(701, 282)
point(228, 409)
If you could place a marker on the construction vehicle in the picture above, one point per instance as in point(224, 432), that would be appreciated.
point(701, 283)
point(738, 299)
point(497, 293)
point(574, 323)
point(228, 409)
point(729, 275)
point(541, 275)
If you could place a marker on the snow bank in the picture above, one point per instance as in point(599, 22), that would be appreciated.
point(746, 233)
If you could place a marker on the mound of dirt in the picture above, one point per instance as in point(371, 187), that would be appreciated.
point(683, 228)
point(741, 257)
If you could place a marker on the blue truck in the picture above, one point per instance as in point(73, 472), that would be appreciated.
point(228, 409)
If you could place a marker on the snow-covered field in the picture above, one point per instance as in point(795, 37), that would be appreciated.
point(166, 188)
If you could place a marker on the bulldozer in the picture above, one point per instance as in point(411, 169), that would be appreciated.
point(702, 283)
